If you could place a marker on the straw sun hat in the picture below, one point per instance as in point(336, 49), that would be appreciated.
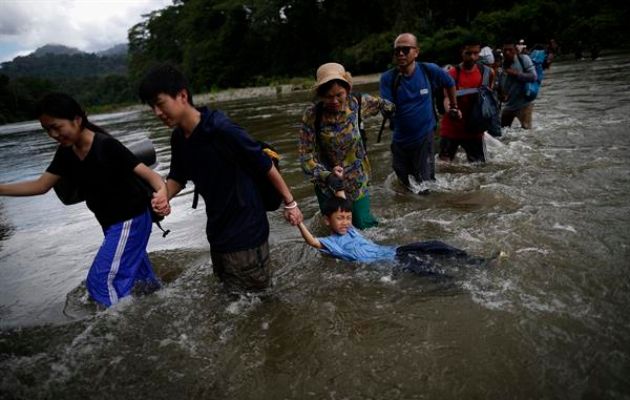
point(332, 71)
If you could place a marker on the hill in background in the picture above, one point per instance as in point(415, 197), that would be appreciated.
point(54, 61)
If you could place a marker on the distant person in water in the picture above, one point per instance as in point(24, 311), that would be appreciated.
point(346, 243)
point(517, 70)
point(106, 173)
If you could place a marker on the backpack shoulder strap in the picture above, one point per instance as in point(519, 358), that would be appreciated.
point(458, 69)
point(427, 76)
point(357, 97)
point(485, 74)
point(395, 84)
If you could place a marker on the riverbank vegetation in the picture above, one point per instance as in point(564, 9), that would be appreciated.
point(237, 43)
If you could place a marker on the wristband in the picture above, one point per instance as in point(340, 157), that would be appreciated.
point(286, 203)
point(291, 205)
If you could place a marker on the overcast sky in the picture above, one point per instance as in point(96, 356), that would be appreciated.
point(89, 25)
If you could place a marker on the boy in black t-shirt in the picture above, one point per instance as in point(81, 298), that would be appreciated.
point(223, 161)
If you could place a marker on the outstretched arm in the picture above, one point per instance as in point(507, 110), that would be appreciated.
point(308, 237)
point(291, 211)
point(40, 185)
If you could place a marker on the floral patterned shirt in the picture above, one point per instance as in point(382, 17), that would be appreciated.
point(341, 144)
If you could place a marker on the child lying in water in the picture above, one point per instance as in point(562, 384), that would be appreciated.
point(348, 244)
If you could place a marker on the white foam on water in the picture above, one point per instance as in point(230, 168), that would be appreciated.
point(532, 249)
point(244, 304)
point(568, 228)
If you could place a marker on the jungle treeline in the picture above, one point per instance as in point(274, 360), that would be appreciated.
point(236, 43)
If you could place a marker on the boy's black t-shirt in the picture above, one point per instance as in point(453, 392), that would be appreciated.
point(220, 158)
point(105, 178)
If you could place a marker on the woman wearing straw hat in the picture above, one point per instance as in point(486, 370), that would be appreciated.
point(331, 148)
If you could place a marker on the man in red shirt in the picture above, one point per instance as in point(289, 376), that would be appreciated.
point(455, 132)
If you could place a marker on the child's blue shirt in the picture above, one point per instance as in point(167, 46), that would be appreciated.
point(354, 247)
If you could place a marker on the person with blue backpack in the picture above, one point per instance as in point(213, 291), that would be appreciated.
point(514, 86)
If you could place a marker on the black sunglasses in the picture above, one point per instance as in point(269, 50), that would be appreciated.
point(404, 49)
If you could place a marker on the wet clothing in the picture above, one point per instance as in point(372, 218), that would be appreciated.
point(104, 177)
point(354, 247)
point(237, 219)
point(414, 120)
point(456, 128)
point(121, 263)
point(221, 159)
point(416, 160)
point(246, 269)
point(475, 149)
point(341, 144)
point(455, 132)
point(414, 117)
point(524, 115)
point(514, 86)
point(106, 180)
point(418, 257)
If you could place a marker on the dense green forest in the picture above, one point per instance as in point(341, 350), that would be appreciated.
point(235, 43)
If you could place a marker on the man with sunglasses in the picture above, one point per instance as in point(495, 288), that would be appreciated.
point(410, 86)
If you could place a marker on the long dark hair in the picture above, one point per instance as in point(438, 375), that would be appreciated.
point(61, 105)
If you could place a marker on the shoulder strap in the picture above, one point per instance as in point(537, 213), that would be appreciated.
point(319, 112)
point(458, 69)
point(357, 97)
point(485, 74)
point(395, 84)
point(427, 76)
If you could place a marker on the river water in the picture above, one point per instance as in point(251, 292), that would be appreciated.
point(549, 318)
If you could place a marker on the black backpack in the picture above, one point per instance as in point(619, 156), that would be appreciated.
point(486, 106)
point(271, 198)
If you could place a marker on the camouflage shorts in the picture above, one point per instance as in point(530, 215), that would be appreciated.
point(248, 270)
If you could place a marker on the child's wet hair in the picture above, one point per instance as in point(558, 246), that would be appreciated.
point(334, 204)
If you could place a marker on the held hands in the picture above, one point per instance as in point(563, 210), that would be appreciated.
point(292, 213)
point(160, 204)
point(336, 181)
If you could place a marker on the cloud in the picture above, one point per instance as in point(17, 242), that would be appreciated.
point(89, 25)
point(12, 20)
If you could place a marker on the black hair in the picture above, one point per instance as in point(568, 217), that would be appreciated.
point(509, 41)
point(470, 40)
point(61, 105)
point(324, 88)
point(163, 78)
point(334, 204)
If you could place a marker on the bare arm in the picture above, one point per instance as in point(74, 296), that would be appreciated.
point(453, 110)
point(308, 237)
point(40, 185)
point(293, 213)
point(160, 197)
